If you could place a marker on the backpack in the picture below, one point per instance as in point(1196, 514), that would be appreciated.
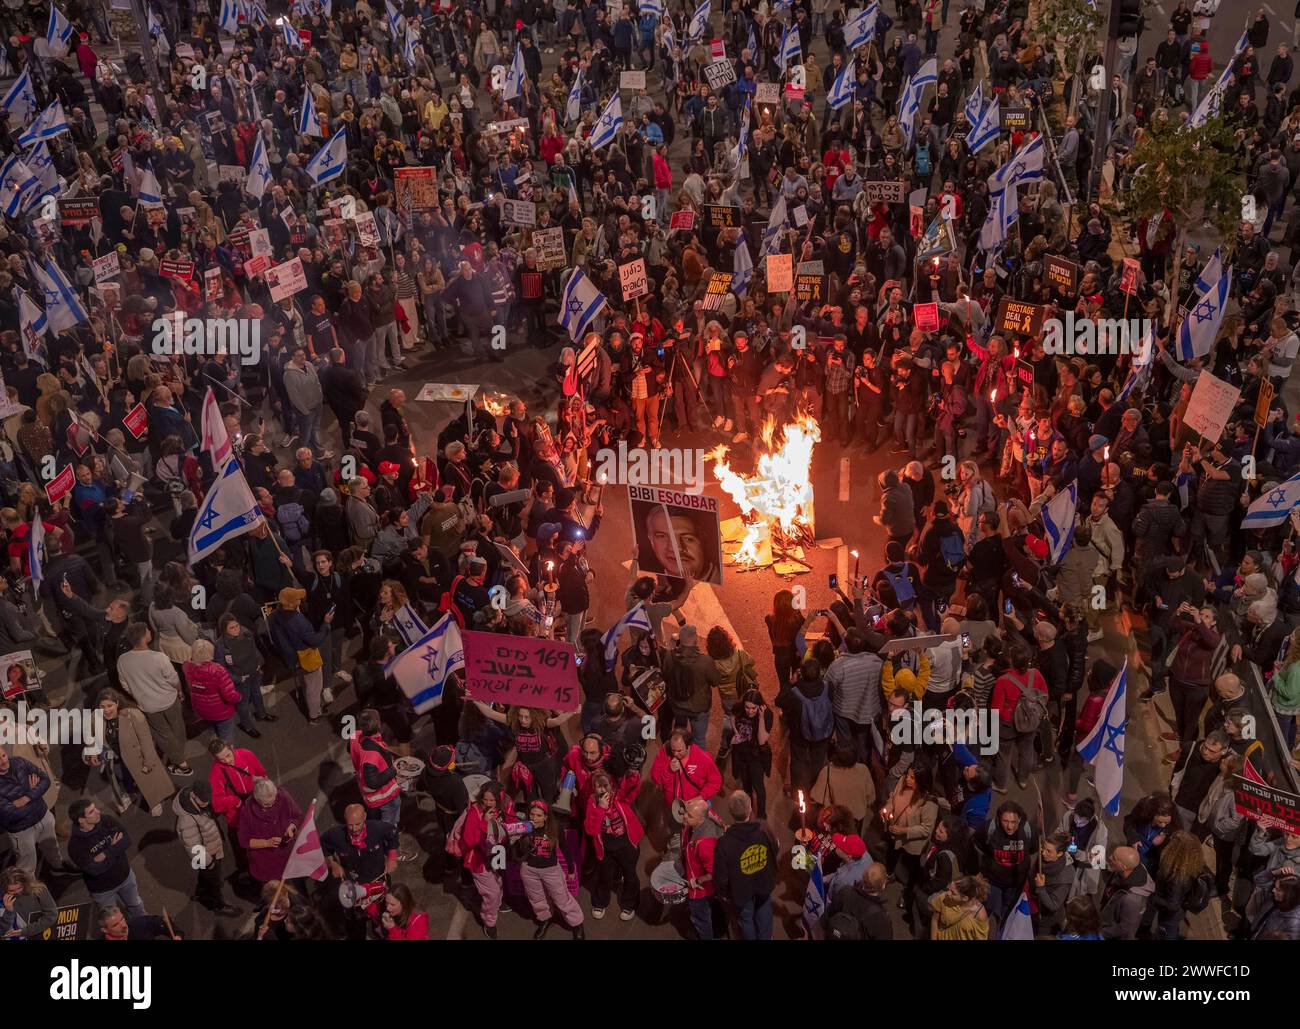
point(293, 522)
point(1031, 707)
point(816, 716)
point(1200, 893)
point(922, 159)
point(680, 685)
point(901, 583)
point(952, 548)
point(843, 926)
point(453, 844)
point(883, 23)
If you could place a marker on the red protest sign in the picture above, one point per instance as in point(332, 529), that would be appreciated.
point(257, 265)
point(1129, 280)
point(538, 673)
point(180, 270)
point(927, 317)
point(136, 421)
point(74, 439)
point(717, 49)
point(684, 220)
point(61, 485)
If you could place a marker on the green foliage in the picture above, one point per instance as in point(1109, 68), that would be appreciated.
point(1072, 27)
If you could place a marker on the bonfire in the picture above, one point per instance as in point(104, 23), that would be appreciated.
point(776, 501)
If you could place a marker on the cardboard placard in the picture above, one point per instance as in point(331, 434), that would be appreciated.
point(812, 268)
point(537, 673)
point(780, 273)
point(1128, 281)
point(677, 533)
point(182, 271)
point(212, 286)
point(809, 288)
point(1012, 118)
point(1211, 405)
point(720, 74)
point(61, 485)
point(284, 280)
point(256, 265)
point(800, 216)
point(631, 80)
point(235, 173)
point(718, 287)
point(916, 642)
point(1062, 275)
point(549, 244)
point(136, 421)
point(259, 242)
point(926, 317)
point(719, 216)
point(885, 191)
point(72, 923)
point(518, 212)
point(78, 211)
point(18, 674)
point(767, 93)
point(1018, 317)
point(1269, 806)
point(718, 49)
point(684, 220)
point(1264, 402)
point(367, 229)
point(106, 267)
point(416, 188)
point(634, 279)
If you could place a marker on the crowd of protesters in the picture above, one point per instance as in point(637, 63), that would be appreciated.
point(563, 816)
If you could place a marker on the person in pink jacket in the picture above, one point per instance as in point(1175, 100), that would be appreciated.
point(213, 693)
point(683, 770)
point(483, 830)
point(616, 833)
point(401, 919)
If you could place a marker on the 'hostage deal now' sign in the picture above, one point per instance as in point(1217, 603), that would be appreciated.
point(502, 669)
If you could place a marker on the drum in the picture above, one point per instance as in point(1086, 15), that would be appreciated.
point(668, 884)
point(408, 771)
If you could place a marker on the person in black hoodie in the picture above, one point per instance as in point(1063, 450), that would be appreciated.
point(939, 575)
point(1195, 774)
point(1005, 844)
point(862, 904)
point(941, 865)
point(744, 868)
point(99, 847)
point(807, 756)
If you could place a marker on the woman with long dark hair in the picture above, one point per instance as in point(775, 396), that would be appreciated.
point(1181, 861)
point(401, 919)
point(940, 865)
point(782, 626)
point(909, 813)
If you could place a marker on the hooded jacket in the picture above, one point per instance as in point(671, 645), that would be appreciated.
point(1123, 903)
point(197, 828)
point(212, 691)
point(744, 863)
point(698, 777)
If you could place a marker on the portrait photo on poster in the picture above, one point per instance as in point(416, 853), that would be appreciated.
point(677, 534)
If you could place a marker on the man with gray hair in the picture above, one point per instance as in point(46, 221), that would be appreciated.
point(744, 868)
point(363, 520)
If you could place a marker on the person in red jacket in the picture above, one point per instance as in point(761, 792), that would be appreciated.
point(213, 693)
point(540, 856)
point(483, 830)
point(376, 775)
point(1007, 693)
point(700, 838)
point(683, 770)
point(401, 919)
point(234, 770)
point(587, 757)
point(616, 833)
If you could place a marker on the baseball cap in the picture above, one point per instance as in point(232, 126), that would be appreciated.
point(1097, 441)
point(853, 846)
point(1037, 547)
point(389, 468)
point(547, 531)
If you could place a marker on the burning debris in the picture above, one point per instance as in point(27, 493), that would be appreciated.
point(776, 501)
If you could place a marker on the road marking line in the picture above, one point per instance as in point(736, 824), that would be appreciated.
point(1271, 11)
point(844, 479)
point(842, 567)
point(1160, 9)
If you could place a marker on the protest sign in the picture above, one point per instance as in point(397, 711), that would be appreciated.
point(1211, 405)
point(780, 273)
point(634, 279)
point(284, 280)
point(531, 672)
point(676, 533)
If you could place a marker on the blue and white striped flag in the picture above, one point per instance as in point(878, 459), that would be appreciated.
point(751, 44)
point(410, 626)
point(227, 512)
point(1212, 102)
point(1025, 166)
point(1200, 328)
point(259, 169)
point(394, 19)
point(1020, 923)
point(16, 180)
point(699, 22)
point(36, 550)
point(1211, 273)
point(911, 99)
point(149, 192)
point(58, 32)
point(1104, 746)
point(408, 50)
point(573, 109)
point(1273, 507)
point(228, 19)
point(330, 160)
point(861, 28)
point(986, 128)
point(48, 124)
point(63, 308)
point(1059, 516)
point(655, 7)
point(291, 38)
point(775, 225)
point(580, 302)
point(814, 901)
point(790, 49)
point(32, 323)
point(974, 105)
point(155, 29)
point(1143, 359)
point(636, 618)
point(742, 267)
point(422, 670)
point(309, 123)
point(842, 88)
point(607, 125)
point(20, 101)
point(515, 75)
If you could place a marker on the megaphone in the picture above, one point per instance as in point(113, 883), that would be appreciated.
point(564, 804)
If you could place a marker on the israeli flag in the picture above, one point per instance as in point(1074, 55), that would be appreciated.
point(741, 146)
point(573, 109)
point(410, 626)
point(32, 323)
point(330, 160)
point(291, 38)
point(699, 22)
point(608, 124)
point(998, 222)
point(1019, 924)
point(259, 169)
point(394, 19)
point(775, 224)
point(36, 550)
point(228, 19)
point(1211, 273)
point(58, 32)
point(814, 901)
point(309, 123)
point(655, 7)
point(1212, 101)
point(974, 105)
point(1273, 507)
point(227, 512)
point(938, 239)
point(155, 29)
point(986, 128)
point(16, 179)
point(1201, 326)
point(257, 16)
point(790, 49)
point(636, 618)
point(1104, 746)
point(514, 84)
point(1140, 374)
point(149, 193)
point(48, 124)
point(742, 267)
point(580, 302)
point(20, 101)
point(63, 308)
point(842, 89)
point(422, 670)
point(911, 100)
point(751, 44)
point(42, 166)
point(861, 28)
point(409, 50)
point(1025, 166)
point(670, 41)
point(1059, 516)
